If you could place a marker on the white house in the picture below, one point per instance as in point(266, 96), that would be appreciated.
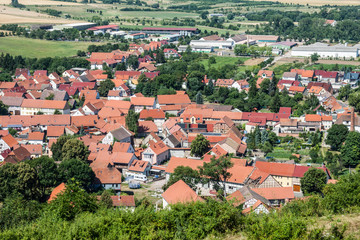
point(120, 134)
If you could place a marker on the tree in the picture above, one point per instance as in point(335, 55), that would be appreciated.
point(105, 86)
point(354, 100)
point(267, 148)
point(72, 201)
point(217, 172)
point(336, 136)
point(75, 169)
point(314, 57)
point(314, 181)
point(160, 56)
point(27, 182)
point(75, 149)
point(3, 109)
point(190, 176)
point(133, 62)
point(13, 132)
point(199, 146)
point(105, 200)
point(19, 179)
point(199, 98)
point(131, 121)
point(212, 60)
point(46, 170)
point(275, 103)
point(56, 148)
point(350, 151)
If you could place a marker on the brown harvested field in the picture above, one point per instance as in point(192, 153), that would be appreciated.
point(340, 62)
point(39, 2)
point(319, 2)
point(253, 61)
point(14, 15)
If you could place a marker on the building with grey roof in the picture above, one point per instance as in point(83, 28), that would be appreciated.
point(326, 51)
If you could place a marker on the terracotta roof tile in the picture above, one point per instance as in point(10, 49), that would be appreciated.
point(180, 192)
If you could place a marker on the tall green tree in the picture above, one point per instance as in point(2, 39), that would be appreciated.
point(199, 98)
point(56, 148)
point(105, 200)
point(217, 172)
point(105, 86)
point(72, 201)
point(275, 103)
point(350, 151)
point(75, 149)
point(46, 170)
point(199, 146)
point(3, 109)
point(336, 136)
point(76, 169)
point(314, 181)
point(131, 121)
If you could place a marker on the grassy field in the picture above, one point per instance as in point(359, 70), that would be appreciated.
point(40, 48)
point(221, 61)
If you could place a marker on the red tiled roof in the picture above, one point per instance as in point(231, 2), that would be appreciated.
point(36, 136)
point(123, 201)
point(10, 140)
point(55, 131)
point(186, 162)
point(56, 191)
point(48, 104)
point(275, 193)
point(153, 113)
point(180, 192)
point(277, 169)
point(142, 101)
point(173, 99)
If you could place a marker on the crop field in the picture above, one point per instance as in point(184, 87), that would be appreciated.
point(39, 2)
point(15, 15)
point(318, 2)
point(27, 47)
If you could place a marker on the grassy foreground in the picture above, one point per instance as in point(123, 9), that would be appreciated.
point(28, 47)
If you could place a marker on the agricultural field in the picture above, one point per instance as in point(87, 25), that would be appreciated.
point(39, 2)
point(318, 2)
point(14, 15)
point(40, 48)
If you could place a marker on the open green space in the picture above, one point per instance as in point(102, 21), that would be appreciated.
point(27, 47)
point(221, 61)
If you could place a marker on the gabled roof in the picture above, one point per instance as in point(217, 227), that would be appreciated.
point(121, 133)
point(153, 113)
point(173, 99)
point(275, 193)
point(158, 147)
point(107, 175)
point(121, 147)
point(10, 140)
point(56, 191)
point(55, 131)
point(36, 136)
point(312, 118)
point(142, 101)
point(45, 104)
point(180, 192)
point(138, 165)
point(245, 194)
point(147, 127)
point(123, 201)
point(277, 169)
point(186, 162)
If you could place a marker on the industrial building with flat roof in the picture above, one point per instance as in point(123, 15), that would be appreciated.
point(326, 51)
point(78, 26)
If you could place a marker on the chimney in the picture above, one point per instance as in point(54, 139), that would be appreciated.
point(352, 124)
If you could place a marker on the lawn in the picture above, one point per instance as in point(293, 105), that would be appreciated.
point(221, 61)
point(280, 154)
point(27, 47)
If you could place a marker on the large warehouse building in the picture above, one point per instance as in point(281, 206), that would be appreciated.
point(326, 51)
